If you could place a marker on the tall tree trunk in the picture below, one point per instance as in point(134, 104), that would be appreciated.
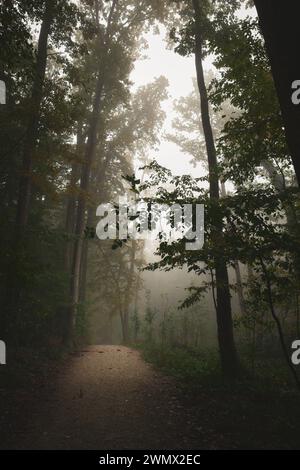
point(279, 22)
point(236, 267)
point(227, 348)
point(81, 210)
point(34, 114)
point(71, 202)
point(85, 182)
point(278, 324)
point(12, 312)
point(239, 287)
point(83, 271)
point(84, 260)
point(98, 177)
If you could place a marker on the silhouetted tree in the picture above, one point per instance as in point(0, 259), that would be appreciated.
point(279, 22)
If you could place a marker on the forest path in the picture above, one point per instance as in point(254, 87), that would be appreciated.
point(107, 397)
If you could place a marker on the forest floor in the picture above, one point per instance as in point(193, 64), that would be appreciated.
point(108, 397)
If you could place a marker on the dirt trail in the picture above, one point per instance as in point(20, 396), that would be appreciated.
point(107, 397)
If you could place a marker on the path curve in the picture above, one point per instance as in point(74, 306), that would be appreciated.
point(108, 397)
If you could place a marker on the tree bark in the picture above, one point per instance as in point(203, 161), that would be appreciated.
point(239, 287)
point(237, 270)
point(228, 355)
point(278, 324)
point(279, 23)
point(71, 202)
point(23, 203)
point(85, 183)
point(84, 259)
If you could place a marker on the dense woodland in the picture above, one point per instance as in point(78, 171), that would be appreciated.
point(76, 132)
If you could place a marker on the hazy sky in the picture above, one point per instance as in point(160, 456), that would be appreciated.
point(179, 71)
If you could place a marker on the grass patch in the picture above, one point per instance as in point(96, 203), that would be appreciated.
point(188, 365)
point(202, 368)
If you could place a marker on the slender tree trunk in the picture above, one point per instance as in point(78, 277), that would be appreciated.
point(85, 182)
point(297, 315)
point(12, 311)
point(84, 260)
point(98, 183)
point(237, 270)
point(227, 348)
point(70, 218)
point(83, 271)
point(71, 202)
point(239, 287)
point(81, 210)
point(278, 324)
point(34, 114)
point(279, 22)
